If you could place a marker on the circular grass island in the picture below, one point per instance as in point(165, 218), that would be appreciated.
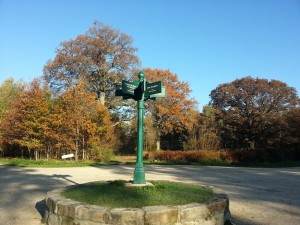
point(114, 202)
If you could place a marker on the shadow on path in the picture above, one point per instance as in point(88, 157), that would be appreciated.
point(21, 193)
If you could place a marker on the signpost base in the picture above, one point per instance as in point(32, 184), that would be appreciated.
point(139, 175)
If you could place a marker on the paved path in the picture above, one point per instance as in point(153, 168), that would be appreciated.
point(258, 196)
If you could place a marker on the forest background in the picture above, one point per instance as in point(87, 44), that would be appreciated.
point(72, 108)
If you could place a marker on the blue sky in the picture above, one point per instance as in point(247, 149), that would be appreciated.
point(205, 43)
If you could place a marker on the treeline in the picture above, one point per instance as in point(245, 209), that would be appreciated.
point(35, 124)
point(72, 108)
point(264, 126)
point(38, 123)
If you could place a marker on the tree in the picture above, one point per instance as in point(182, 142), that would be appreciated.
point(249, 107)
point(79, 122)
point(9, 90)
point(100, 57)
point(170, 115)
point(26, 122)
point(204, 134)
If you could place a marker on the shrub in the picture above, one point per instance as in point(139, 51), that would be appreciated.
point(192, 156)
point(224, 156)
point(104, 155)
point(101, 154)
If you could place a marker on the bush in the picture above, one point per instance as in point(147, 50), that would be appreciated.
point(101, 154)
point(192, 156)
point(104, 155)
point(224, 156)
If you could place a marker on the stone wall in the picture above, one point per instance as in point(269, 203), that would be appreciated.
point(62, 211)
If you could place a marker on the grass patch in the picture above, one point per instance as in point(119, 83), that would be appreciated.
point(52, 163)
point(116, 195)
point(119, 160)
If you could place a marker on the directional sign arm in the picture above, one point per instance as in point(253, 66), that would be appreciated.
point(153, 88)
point(119, 91)
point(128, 87)
point(160, 95)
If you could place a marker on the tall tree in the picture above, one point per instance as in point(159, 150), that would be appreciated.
point(249, 107)
point(100, 57)
point(172, 114)
point(80, 121)
point(26, 123)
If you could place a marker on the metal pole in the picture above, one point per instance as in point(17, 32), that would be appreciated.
point(139, 173)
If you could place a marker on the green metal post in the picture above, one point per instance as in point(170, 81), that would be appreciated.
point(139, 173)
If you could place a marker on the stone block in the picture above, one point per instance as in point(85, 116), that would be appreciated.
point(93, 213)
point(158, 215)
point(51, 203)
point(83, 212)
point(220, 220)
point(67, 220)
point(115, 216)
point(130, 216)
point(67, 208)
point(194, 212)
point(53, 219)
point(87, 222)
point(217, 206)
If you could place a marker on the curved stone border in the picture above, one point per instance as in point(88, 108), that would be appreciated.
point(62, 211)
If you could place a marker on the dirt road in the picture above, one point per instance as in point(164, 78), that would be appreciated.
point(258, 196)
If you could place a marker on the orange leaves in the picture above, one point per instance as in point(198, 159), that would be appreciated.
point(69, 122)
point(171, 114)
point(26, 121)
point(103, 48)
point(85, 118)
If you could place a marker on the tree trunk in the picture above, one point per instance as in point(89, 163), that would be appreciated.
point(83, 147)
point(101, 97)
point(35, 154)
point(252, 145)
point(158, 142)
point(29, 151)
point(76, 150)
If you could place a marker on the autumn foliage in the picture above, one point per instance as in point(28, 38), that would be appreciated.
point(40, 126)
point(253, 112)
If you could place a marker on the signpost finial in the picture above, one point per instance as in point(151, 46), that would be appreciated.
point(141, 75)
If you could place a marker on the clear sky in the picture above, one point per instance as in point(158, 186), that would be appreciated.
point(205, 42)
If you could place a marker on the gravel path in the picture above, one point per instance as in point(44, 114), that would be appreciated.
point(258, 196)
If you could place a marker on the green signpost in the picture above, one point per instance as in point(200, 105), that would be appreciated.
point(140, 91)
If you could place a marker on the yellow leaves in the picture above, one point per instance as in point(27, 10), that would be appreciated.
point(36, 121)
point(84, 117)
